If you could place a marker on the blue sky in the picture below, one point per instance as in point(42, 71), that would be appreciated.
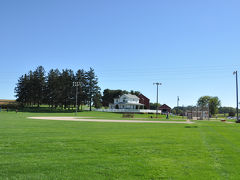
point(192, 47)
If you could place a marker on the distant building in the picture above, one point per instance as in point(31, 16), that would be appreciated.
point(144, 100)
point(126, 101)
point(165, 108)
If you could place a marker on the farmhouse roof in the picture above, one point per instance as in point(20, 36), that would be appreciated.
point(131, 96)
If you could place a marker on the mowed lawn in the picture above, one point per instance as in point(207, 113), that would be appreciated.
point(45, 149)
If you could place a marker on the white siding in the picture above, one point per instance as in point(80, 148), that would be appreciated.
point(124, 98)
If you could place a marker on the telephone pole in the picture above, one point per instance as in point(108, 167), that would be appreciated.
point(177, 101)
point(177, 105)
point(157, 83)
point(236, 73)
point(76, 84)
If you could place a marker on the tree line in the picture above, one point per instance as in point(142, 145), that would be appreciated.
point(56, 88)
point(204, 103)
point(207, 103)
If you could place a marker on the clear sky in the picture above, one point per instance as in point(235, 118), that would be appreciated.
point(191, 47)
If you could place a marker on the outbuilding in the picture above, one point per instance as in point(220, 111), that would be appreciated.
point(165, 109)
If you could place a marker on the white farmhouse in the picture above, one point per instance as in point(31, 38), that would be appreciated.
point(126, 101)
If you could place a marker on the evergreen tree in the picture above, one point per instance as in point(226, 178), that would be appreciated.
point(38, 84)
point(21, 90)
point(97, 100)
point(92, 88)
point(82, 90)
point(66, 90)
point(24, 90)
point(53, 89)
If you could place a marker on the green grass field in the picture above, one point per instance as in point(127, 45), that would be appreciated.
point(45, 149)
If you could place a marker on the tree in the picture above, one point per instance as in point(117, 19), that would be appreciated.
point(109, 95)
point(224, 110)
point(25, 89)
point(66, 79)
point(81, 77)
point(153, 106)
point(21, 90)
point(137, 93)
point(97, 100)
point(178, 110)
point(53, 87)
point(203, 101)
point(38, 85)
point(92, 88)
point(212, 103)
point(30, 90)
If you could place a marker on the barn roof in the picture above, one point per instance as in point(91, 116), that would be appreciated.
point(164, 106)
point(142, 96)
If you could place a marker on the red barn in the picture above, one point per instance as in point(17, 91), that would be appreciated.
point(144, 100)
point(165, 108)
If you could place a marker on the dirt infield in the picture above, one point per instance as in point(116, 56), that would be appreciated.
point(84, 119)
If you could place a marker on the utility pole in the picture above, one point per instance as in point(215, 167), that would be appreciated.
point(177, 104)
point(197, 112)
point(236, 73)
point(157, 83)
point(76, 84)
point(183, 111)
point(177, 101)
point(208, 111)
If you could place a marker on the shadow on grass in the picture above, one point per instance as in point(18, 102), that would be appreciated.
point(191, 126)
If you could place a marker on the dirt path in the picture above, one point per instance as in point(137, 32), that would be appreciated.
point(103, 120)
